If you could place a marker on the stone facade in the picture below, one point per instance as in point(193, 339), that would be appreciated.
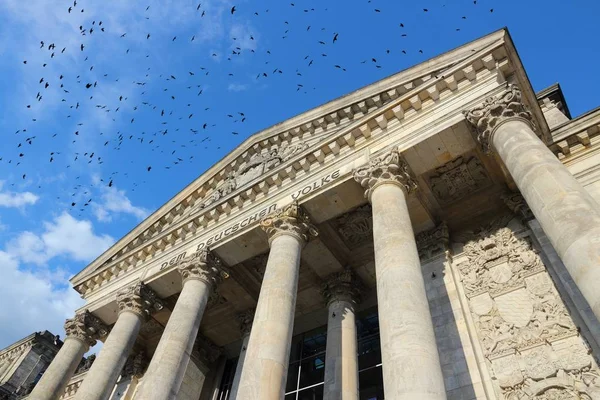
point(431, 236)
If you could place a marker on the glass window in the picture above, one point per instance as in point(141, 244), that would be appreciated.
point(306, 372)
point(370, 382)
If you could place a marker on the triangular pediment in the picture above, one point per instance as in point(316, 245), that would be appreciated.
point(277, 152)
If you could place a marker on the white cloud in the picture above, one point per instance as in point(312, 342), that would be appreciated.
point(65, 236)
point(16, 199)
point(114, 200)
point(237, 87)
point(31, 302)
point(40, 297)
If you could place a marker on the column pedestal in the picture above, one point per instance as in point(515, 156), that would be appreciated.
point(267, 358)
point(245, 320)
point(82, 332)
point(136, 303)
point(569, 216)
point(411, 365)
point(341, 356)
point(165, 373)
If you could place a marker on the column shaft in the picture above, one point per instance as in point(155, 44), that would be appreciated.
point(167, 368)
point(341, 358)
point(52, 384)
point(239, 367)
point(569, 216)
point(411, 366)
point(266, 363)
point(102, 376)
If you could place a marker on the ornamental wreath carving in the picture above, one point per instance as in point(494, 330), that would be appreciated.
point(531, 345)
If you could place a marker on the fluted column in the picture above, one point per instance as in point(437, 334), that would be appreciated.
point(411, 366)
point(82, 332)
point(341, 357)
point(267, 357)
point(136, 303)
point(569, 216)
point(200, 273)
point(245, 320)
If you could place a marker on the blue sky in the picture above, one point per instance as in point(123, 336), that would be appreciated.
point(162, 109)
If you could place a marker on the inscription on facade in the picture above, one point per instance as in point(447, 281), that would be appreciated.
point(316, 184)
point(237, 226)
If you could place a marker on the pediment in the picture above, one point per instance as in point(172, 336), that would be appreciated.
point(275, 154)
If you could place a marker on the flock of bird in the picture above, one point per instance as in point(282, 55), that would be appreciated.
point(176, 100)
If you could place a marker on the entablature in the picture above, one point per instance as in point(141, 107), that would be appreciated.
point(312, 154)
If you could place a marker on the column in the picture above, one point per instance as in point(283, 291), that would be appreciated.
point(341, 356)
point(135, 303)
point(267, 357)
point(200, 274)
point(569, 216)
point(245, 320)
point(81, 334)
point(411, 365)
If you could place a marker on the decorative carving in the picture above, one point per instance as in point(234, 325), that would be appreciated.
point(207, 350)
point(215, 299)
point(258, 164)
point(139, 299)
point(245, 320)
point(387, 168)
point(433, 242)
point(136, 365)
point(458, 178)
point(292, 220)
point(495, 110)
point(517, 204)
point(259, 263)
point(86, 327)
point(356, 227)
point(85, 364)
point(151, 328)
point(203, 265)
point(342, 286)
point(498, 263)
point(527, 335)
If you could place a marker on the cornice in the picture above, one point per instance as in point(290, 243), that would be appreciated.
point(570, 138)
point(407, 106)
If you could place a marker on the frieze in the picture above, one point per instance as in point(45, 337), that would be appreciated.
point(306, 190)
point(458, 178)
point(530, 342)
point(163, 230)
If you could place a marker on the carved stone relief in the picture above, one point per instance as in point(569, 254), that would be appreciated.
point(356, 227)
point(458, 178)
point(258, 164)
point(531, 345)
point(433, 242)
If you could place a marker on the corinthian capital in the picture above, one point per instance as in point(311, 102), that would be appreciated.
point(387, 168)
point(494, 111)
point(204, 266)
point(86, 327)
point(342, 286)
point(291, 220)
point(139, 299)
